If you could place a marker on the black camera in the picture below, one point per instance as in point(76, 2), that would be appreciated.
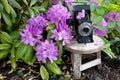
point(82, 27)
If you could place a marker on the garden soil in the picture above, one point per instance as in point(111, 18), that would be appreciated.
point(110, 70)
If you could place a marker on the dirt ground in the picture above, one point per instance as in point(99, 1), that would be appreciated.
point(110, 71)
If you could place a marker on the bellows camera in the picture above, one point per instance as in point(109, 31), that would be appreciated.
point(82, 27)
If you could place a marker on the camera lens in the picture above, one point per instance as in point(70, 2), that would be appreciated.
point(85, 29)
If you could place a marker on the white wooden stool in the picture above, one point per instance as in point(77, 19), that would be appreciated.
point(78, 49)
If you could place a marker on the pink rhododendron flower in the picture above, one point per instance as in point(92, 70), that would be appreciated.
point(46, 50)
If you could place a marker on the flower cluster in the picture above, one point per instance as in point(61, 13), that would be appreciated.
point(58, 14)
point(62, 33)
point(112, 16)
point(36, 27)
point(31, 34)
point(109, 17)
point(46, 49)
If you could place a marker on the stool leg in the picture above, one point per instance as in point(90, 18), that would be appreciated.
point(99, 57)
point(76, 64)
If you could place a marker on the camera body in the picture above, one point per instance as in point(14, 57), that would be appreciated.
point(82, 27)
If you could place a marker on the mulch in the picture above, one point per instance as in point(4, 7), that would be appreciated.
point(110, 71)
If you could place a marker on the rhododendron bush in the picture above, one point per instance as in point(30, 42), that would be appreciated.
point(36, 30)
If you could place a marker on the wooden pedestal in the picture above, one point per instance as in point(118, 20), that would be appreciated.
point(79, 49)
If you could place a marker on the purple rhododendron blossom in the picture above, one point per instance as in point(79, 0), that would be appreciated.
point(101, 32)
point(81, 14)
point(62, 33)
point(58, 14)
point(46, 50)
point(67, 1)
point(112, 16)
point(31, 34)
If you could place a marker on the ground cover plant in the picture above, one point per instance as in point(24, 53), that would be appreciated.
point(36, 30)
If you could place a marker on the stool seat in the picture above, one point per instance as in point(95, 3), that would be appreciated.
point(87, 48)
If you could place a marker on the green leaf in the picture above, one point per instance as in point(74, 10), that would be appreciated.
point(13, 62)
point(16, 4)
point(50, 26)
point(39, 9)
point(67, 77)
point(111, 25)
point(60, 52)
point(100, 10)
point(13, 13)
point(5, 46)
point(17, 43)
point(105, 40)
point(25, 1)
point(31, 12)
point(21, 50)
point(100, 27)
point(92, 6)
point(49, 35)
point(97, 20)
point(33, 59)
point(53, 68)
point(15, 35)
point(7, 19)
point(5, 37)
point(12, 51)
point(1, 7)
point(44, 73)
point(0, 19)
point(109, 52)
point(3, 54)
point(107, 45)
point(6, 5)
point(118, 24)
point(32, 2)
point(45, 3)
point(29, 54)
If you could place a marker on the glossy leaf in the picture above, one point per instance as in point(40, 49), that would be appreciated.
point(21, 50)
point(100, 10)
point(13, 63)
point(1, 7)
point(32, 2)
point(53, 68)
point(44, 73)
point(5, 46)
point(6, 5)
point(3, 54)
point(5, 37)
point(12, 51)
point(97, 20)
point(31, 12)
point(29, 53)
point(45, 3)
point(39, 9)
point(25, 1)
point(16, 4)
point(111, 25)
point(13, 13)
point(7, 19)
point(100, 27)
